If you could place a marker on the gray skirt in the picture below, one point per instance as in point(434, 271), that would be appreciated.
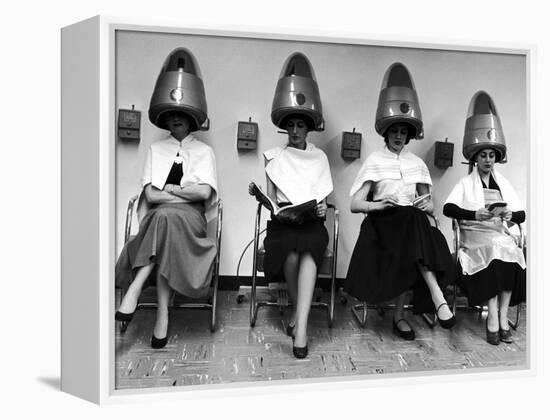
point(173, 236)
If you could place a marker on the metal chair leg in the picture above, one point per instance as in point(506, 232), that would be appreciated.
point(214, 305)
point(253, 304)
point(431, 322)
point(361, 318)
point(514, 325)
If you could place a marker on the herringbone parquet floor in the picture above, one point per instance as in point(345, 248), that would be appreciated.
point(235, 352)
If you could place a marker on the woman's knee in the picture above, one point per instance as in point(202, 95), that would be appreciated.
point(292, 258)
point(306, 257)
point(165, 212)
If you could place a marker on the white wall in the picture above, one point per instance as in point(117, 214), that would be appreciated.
point(240, 77)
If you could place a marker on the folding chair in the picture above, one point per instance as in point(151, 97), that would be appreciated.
point(211, 303)
point(326, 270)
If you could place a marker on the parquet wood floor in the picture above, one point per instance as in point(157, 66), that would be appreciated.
point(235, 352)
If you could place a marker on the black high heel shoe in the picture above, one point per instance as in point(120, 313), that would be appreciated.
point(121, 316)
point(492, 337)
point(405, 335)
point(158, 343)
point(299, 352)
point(447, 323)
point(505, 336)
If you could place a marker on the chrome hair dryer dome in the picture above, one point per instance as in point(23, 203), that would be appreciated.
point(483, 129)
point(179, 88)
point(398, 102)
point(297, 93)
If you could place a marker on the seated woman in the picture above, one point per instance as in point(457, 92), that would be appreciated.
point(179, 177)
point(492, 264)
point(297, 173)
point(397, 249)
point(179, 186)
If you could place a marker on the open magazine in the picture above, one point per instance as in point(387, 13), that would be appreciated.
point(293, 213)
point(493, 201)
point(496, 207)
point(422, 199)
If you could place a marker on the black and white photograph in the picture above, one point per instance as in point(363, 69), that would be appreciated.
point(304, 209)
point(290, 209)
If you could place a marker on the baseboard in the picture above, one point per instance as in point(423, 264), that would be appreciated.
point(234, 282)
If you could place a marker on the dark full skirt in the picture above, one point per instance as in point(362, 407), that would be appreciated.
point(282, 239)
point(499, 276)
point(384, 263)
point(174, 237)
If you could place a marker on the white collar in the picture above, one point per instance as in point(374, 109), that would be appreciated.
point(186, 140)
point(403, 154)
point(309, 147)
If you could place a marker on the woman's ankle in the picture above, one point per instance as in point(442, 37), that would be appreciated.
point(503, 319)
point(161, 325)
point(129, 301)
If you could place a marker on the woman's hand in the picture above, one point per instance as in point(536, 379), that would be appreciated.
point(321, 210)
point(386, 202)
point(169, 188)
point(506, 214)
point(426, 206)
point(251, 188)
point(157, 196)
point(483, 214)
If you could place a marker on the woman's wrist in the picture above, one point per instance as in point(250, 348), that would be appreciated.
point(368, 206)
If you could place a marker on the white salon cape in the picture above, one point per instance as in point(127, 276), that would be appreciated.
point(393, 174)
point(198, 164)
point(482, 242)
point(299, 175)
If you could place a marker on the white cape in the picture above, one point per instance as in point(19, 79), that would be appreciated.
point(301, 175)
point(198, 163)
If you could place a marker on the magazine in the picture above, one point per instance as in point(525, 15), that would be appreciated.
point(293, 213)
point(497, 207)
point(421, 199)
point(493, 201)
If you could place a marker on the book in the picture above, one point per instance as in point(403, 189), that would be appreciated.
point(292, 213)
point(422, 199)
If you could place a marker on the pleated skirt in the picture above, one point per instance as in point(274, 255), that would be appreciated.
point(391, 245)
point(282, 239)
point(174, 237)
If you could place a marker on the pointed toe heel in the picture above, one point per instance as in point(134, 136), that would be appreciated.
point(121, 316)
point(405, 335)
point(300, 352)
point(492, 337)
point(505, 336)
point(445, 323)
point(158, 343)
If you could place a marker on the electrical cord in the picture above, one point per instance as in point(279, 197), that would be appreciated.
point(244, 251)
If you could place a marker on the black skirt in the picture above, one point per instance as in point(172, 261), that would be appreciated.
point(499, 276)
point(282, 239)
point(384, 263)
